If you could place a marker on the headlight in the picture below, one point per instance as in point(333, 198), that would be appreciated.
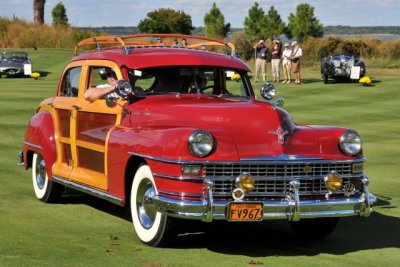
point(201, 143)
point(350, 143)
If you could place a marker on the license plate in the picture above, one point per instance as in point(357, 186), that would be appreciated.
point(245, 211)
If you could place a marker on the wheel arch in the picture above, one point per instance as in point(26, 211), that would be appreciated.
point(132, 166)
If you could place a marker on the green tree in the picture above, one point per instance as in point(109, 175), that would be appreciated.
point(166, 20)
point(214, 23)
point(304, 24)
point(274, 25)
point(59, 14)
point(38, 11)
point(254, 22)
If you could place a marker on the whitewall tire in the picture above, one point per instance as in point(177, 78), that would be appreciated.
point(152, 227)
point(45, 190)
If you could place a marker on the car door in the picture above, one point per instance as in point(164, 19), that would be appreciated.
point(84, 151)
point(63, 111)
point(91, 126)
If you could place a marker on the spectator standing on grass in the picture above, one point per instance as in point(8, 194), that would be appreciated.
point(275, 59)
point(261, 52)
point(286, 63)
point(297, 53)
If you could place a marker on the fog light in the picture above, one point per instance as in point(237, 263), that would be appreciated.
point(333, 181)
point(192, 170)
point(246, 182)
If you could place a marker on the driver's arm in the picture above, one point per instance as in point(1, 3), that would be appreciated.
point(94, 93)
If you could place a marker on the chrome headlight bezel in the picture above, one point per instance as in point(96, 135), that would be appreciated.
point(201, 143)
point(350, 143)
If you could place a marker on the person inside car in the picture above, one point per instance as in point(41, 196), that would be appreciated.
point(102, 90)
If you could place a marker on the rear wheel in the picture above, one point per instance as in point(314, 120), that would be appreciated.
point(45, 190)
point(152, 227)
point(314, 228)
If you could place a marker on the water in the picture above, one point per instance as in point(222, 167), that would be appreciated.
point(382, 37)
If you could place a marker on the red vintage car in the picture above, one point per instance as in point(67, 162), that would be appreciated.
point(180, 139)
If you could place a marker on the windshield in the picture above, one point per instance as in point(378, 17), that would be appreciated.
point(191, 80)
point(14, 54)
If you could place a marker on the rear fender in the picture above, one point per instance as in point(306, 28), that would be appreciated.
point(40, 138)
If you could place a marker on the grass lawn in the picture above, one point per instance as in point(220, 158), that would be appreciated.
point(85, 231)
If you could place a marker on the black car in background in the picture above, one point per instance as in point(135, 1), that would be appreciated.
point(339, 66)
point(12, 63)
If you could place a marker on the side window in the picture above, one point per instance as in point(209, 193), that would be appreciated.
point(70, 82)
point(98, 76)
point(234, 83)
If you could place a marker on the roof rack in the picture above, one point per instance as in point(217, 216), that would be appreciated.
point(154, 40)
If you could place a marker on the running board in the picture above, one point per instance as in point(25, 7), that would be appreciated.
point(89, 190)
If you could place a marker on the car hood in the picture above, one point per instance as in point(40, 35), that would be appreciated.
point(255, 127)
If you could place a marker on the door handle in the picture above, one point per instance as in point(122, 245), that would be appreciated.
point(76, 107)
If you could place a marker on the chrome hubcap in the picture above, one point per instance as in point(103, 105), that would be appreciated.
point(40, 172)
point(144, 203)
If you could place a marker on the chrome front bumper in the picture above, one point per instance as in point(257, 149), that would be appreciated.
point(291, 208)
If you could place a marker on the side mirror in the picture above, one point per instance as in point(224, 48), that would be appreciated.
point(124, 89)
point(267, 91)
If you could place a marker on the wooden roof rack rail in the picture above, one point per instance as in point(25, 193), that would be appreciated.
point(150, 40)
point(99, 40)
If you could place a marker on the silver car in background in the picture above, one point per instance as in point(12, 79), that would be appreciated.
point(12, 63)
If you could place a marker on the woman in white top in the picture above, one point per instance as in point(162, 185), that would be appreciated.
point(286, 63)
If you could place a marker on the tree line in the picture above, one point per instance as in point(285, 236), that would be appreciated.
point(257, 25)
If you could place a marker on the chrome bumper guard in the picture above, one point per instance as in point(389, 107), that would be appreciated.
point(291, 208)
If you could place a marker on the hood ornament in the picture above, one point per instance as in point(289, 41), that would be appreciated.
point(280, 133)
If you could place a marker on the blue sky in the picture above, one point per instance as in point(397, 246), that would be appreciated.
point(98, 13)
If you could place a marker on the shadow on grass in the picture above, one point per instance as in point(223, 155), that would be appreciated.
point(42, 74)
point(311, 80)
point(269, 238)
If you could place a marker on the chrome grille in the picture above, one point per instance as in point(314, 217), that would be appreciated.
point(278, 170)
point(274, 179)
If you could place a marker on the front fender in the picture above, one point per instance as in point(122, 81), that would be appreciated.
point(40, 138)
point(155, 145)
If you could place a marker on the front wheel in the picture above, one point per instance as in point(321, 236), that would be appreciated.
point(45, 190)
point(317, 228)
point(152, 227)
